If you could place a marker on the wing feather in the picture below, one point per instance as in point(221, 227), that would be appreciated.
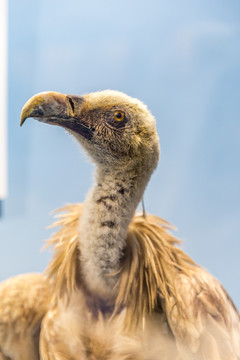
point(209, 325)
point(24, 301)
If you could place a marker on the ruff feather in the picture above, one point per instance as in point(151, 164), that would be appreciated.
point(146, 276)
point(64, 266)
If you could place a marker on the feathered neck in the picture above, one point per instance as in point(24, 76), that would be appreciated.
point(107, 212)
point(146, 277)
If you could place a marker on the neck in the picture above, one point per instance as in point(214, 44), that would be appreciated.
point(107, 212)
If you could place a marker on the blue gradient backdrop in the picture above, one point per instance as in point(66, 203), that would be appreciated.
point(182, 58)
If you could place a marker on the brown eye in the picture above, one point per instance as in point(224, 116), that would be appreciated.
point(119, 115)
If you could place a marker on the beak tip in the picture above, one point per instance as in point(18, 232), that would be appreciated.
point(23, 117)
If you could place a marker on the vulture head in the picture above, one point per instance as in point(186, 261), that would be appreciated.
point(116, 130)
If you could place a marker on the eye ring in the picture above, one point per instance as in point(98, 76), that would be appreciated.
point(119, 115)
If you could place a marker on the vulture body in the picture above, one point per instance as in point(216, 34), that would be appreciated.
point(118, 286)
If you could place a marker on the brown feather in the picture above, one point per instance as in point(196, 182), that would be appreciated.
point(64, 265)
point(148, 273)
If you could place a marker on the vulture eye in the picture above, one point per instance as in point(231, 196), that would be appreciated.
point(119, 115)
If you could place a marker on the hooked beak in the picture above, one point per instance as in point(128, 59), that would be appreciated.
point(58, 109)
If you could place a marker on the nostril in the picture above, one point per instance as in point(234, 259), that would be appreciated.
point(71, 103)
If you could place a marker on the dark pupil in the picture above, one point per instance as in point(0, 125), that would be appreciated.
point(119, 115)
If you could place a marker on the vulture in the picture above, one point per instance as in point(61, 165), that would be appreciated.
point(118, 286)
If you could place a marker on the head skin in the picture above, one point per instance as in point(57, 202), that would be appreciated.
point(91, 119)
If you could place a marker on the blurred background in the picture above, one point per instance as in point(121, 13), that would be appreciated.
point(182, 58)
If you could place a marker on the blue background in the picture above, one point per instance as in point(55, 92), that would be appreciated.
point(182, 58)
